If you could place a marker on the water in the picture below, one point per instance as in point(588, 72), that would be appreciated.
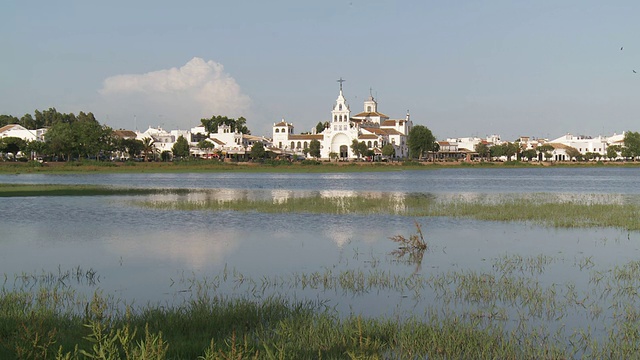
point(152, 256)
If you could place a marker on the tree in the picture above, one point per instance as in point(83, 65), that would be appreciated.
point(545, 150)
point(211, 125)
point(258, 151)
point(632, 142)
point(573, 153)
point(319, 127)
point(355, 148)
point(389, 151)
point(181, 148)
point(165, 155)
point(333, 155)
point(314, 148)
point(420, 141)
point(529, 154)
point(482, 149)
point(36, 148)
point(12, 145)
point(148, 147)
point(359, 148)
point(613, 151)
point(8, 120)
point(497, 151)
point(60, 140)
point(510, 149)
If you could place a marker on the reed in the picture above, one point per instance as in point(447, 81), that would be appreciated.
point(541, 209)
point(505, 311)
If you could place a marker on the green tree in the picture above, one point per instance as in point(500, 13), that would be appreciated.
point(497, 151)
point(28, 122)
point(165, 156)
point(510, 149)
point(60, 140)
point(12, 145)
point(148, 148)
point(573, 153)
point(632, 142)
point(36, 148)
point(529, 154)
point(545, 150)
point(359, 148)
point(333, 155)
point(613, 151)
point(389, 151)
point(314, 148)
point(211, 125)
point(319, 128)
point(258, 151)
point(181, 148)
point(420, 141)
point(482, 149)
point(8, 120)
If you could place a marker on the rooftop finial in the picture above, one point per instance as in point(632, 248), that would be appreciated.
point(341, 81)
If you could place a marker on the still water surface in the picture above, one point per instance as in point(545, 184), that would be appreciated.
point(149, 256)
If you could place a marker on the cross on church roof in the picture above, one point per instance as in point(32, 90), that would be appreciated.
point(341, 81)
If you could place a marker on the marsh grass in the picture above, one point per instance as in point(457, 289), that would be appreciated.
point(16, 190)
point(506, 311)
point(541, 208)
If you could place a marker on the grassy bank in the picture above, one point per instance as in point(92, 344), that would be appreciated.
point(268, 166)
point(541, 209)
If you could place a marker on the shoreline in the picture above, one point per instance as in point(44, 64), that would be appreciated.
point(274, 167)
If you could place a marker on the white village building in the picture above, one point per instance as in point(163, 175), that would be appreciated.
point(370, 126)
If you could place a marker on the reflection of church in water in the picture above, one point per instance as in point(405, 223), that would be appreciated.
point(370, 126)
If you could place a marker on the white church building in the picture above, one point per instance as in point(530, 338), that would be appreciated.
point(369, 126)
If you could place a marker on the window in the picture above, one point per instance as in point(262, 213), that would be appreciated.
point(280, 145)
point(340, 107)
point(335, 117)
point(305, 144)
point(298, 147)
point(375, 144)
point(277, 131)
point(293, 145)
point(368, 108)
point(369, 143)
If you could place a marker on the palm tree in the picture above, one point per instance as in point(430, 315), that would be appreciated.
point(147, 147)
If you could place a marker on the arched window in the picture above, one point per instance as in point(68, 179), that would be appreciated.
point(368, 108)
point(340, 118)
point(298, 147)
point(375, 144)
point(305, 144)
point(293, 145)
point(369, 144)
point(340, 107)
point(280, 145)
point(277, 131)
point(335, 117)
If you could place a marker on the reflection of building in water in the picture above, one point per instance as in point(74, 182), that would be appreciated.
point(280, 196)
point(339, 235)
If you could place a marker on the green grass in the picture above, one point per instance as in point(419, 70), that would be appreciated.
point(15, 190)
point(51, 321)
point(542, 209)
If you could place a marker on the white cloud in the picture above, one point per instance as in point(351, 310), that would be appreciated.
point(178, 96)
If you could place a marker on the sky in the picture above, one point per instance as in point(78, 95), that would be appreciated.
point(461, 68)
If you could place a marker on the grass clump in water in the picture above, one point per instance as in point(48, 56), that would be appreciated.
point(542, 209)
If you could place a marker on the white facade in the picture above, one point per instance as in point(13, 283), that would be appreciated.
point(584, 144)
point(18, 131)
point(370, 126)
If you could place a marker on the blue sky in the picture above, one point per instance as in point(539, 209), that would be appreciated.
point(462, 68)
